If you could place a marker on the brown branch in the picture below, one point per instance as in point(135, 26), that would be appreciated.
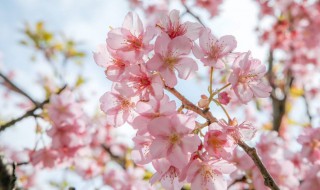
point(17, 89)
point(190, 106)
point(7, 178)
point(268, 180)
point(192, 14)
point(118, 159)
point(307, 106)
point(243, 179)
point(28, 113)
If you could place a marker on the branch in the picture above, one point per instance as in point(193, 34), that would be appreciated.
point(17, 89)
point(268, 180)
point(28, 113)
point(252, 152)
point(118, 159)
point(307, 106)
point(243, 179)
point(7, 180)
point(192, 14)
point(190, 106)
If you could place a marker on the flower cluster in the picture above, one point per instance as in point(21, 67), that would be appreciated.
point(67, 131)
point(142, 63)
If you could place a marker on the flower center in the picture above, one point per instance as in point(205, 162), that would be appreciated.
point(246, 78)
point(134, 42)
point(174, 138)
point(214, 52)
point(315, 144)
point(170, 62)
point(145, 81)
point(125, 104)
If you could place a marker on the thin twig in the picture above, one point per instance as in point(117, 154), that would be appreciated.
point(121, 161)
point(243, 179)
point(268, 180)
point(28, 113)
point(17, 89)
point(192, 14)
point(307, 106)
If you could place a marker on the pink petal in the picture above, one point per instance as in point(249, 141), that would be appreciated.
point(159, 148)
point(169, 77)
point(180, 46)
point(185, 67)
point(155, 63)
point(227, 44)
point(161, 44)
point(177, 157)
point(160, 127)
point(193, 30)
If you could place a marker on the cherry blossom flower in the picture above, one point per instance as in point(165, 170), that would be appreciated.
point(141, 150)
point(118, 107)
point(173, 27)
point(218, 144)
point(224, 98)
point(213, 50)
point(173, 139)
point(170, 56)
point(167, 174)
point(212, 6)
point(207, 174)
point(152, 109)
point(113, 64)
point(312, 181)
point(138, 81)
point(310, 140)
point(246, 78)
point(45, 157)
point(131, 41)
point(63, 108)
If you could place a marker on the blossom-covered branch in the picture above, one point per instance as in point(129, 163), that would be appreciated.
point(28, 113)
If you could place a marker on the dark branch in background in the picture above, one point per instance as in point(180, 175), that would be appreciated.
point(243, 179)
point(268, 180)
point(121, 161)
point(7, 178)
point(192, 14)
point(17, 89)
point(28, 113)
point(307, 106)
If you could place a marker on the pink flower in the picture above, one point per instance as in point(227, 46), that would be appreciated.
point(207, 174)
point(169, 56)
point(246, 78)
point(46, 157)
point(282, 172)
point(69, 136)
point(118, 108)
point(217, 142)
point(131, 41)
point(141, 150)
point(113, 64)
point(173, 27)
point(138, 81)
point(173, 139)
point(212, 6)
point(312, 179)
point(224, 98)
point(152, 109)
point(212, 51)
point(244, 131)
point(310, 141)
point(63, 108)
point(167, 174)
